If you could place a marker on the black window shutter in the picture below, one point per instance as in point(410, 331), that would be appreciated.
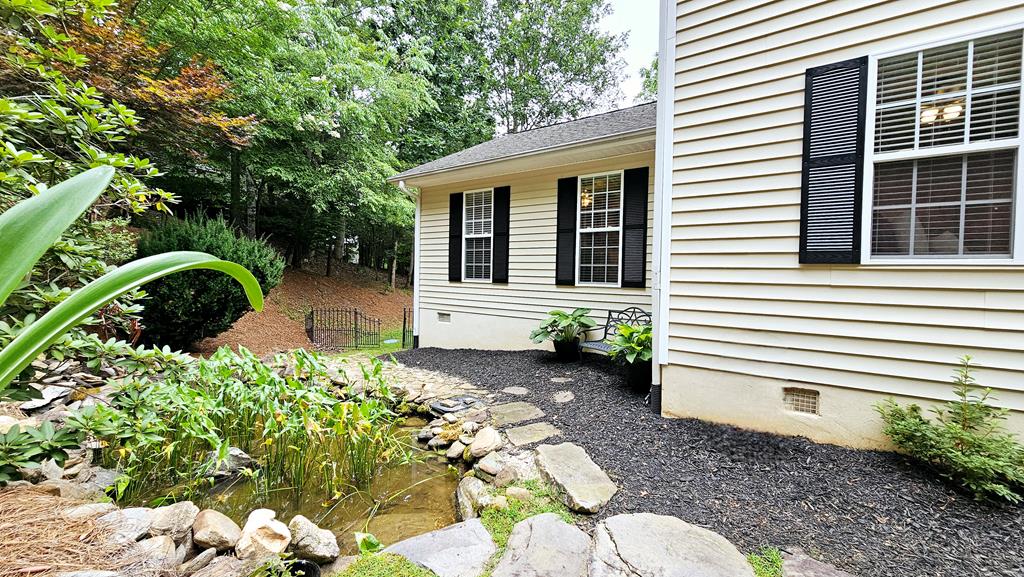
point(565, 247)
point(499, 229)
point(634, 227)
point(835, 103)
point(455, 237)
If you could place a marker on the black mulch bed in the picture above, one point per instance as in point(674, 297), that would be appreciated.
point(867, 512)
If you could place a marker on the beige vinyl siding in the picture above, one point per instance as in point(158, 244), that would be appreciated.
point(739, 300)
point(531, 291)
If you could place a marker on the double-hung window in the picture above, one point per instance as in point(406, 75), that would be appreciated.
point(945, 154)
point(477, 230)
point(600, 228)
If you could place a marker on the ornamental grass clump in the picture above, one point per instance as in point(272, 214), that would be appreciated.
point(302, 432)
point(966, 442)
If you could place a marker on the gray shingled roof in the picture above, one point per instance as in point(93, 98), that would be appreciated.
point(600, 126)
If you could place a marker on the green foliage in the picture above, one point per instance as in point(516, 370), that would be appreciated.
point(649, 82)
point(767, 562)
point(632, 342)
point(27, 229)
point(301, 431)
point(383, 565)
point(563, 327)
point(368, 543)
point(966, 442)
point(550, 60)
point(198, 304)
point(28, 448)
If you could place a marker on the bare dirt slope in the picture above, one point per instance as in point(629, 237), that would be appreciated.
point(281, 324)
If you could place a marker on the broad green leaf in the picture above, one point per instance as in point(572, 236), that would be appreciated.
point(30, 227)
point(35, 338)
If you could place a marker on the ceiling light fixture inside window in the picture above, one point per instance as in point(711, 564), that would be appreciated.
point(952, 111)
point(585, 200)
point(929, 115)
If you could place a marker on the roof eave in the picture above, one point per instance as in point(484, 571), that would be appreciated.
point(408, 176)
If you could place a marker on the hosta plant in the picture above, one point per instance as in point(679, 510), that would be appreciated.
point(563, 327)
point(632, 343)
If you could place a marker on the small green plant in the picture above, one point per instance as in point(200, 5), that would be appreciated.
point(198, 304)
point(965, 443)
point(26, 449)
point(767, 562)
point(368, 544)
point(563, 327)
point(500, 522)
point(383, 565)
point(631, 343)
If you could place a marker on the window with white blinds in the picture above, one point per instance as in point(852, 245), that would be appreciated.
point(600, 228)
point(477, 224)
point(946, 150)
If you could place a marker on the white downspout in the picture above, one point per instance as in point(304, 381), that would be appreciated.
point(662, 256)
point(415, 265)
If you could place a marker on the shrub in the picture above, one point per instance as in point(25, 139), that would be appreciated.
point(966, 442)
point(195, 305)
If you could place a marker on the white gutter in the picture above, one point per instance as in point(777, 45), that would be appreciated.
point(537, 151)
point(662, 257)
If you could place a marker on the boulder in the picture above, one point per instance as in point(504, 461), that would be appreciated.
point(311, 542)
point(545, 546)
point(158, 551)
point(213, 529)
point(584, 487)
point(648, 545)
point(460, 550)
point(486, 441)
point(438, 442)
point(227, 566)
point(174, 520)
point(262, 535)
point(236, 460)
point(198, 562)
point(454, 452)
point(468, 496)
point(127, 525)
point(89, 510)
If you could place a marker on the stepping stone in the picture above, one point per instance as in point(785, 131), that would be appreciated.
point(561, 380)
point(545, 546)
point(799, 564)
point(645, 544)
point(563, 397)
point(518, 391)
point(584, 487)
point(532, 433)
point(512, 413)
point(461, 550)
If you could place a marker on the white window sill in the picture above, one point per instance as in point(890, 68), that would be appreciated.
point(942, 262)
point(477, 280)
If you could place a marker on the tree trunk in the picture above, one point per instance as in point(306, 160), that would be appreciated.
point(394, 264)
point(236, 188)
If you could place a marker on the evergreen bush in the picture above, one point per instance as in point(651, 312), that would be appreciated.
point(966, 442)
point(197, 304)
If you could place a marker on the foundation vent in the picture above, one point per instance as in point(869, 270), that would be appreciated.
point(801, 400)
point(444, 317)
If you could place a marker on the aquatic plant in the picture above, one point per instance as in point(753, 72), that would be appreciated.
point(302, 430)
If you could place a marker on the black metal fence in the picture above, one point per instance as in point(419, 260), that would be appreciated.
point(336, 329)
point(407, 340)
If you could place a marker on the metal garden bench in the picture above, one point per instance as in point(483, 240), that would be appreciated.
point(632, 316)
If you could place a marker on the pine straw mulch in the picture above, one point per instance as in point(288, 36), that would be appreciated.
point(37, 540)
point(11, 410)
point(281, 325)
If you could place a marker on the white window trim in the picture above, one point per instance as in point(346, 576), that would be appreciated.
point(579, 247)
point(465, 206)
point(870, 158)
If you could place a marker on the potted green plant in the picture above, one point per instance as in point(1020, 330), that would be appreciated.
point(632, 346)
point(564, 330)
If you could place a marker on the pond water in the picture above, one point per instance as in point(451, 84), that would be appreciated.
point(404, 500)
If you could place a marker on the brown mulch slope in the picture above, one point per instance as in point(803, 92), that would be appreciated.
point(281, 326)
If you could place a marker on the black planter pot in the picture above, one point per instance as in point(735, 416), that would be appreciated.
point(304, 568)
point(567, 351)
point(638, 375)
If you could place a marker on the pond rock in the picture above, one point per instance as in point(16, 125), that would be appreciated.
point(236, 460)
point(262, 535)
point(485, 441)
point(127, 525)
point(198, 562)
point(174, 520)
point(461, 550)
point(648, 545)
point(227, 566)
point(215, 530)
point(89, 510)
point(455, 451)
point(158, 551)
point(584, 487)
point(311, 542)
point(545, 546)
point(468, 496)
